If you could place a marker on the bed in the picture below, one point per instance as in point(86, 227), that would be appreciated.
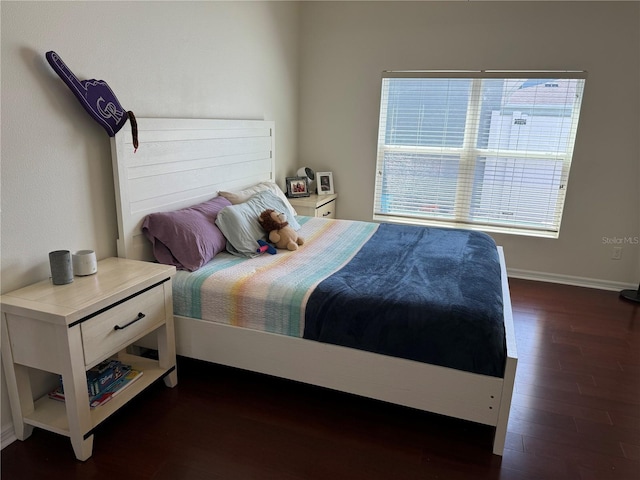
point(186, 162)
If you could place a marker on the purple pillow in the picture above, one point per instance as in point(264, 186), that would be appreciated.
point(186, 238)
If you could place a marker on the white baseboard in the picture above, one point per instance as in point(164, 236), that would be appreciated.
point(8, 435)
point(569, 280)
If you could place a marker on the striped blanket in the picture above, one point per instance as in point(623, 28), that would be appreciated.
point(270, 292)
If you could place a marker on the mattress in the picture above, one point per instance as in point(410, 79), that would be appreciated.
point(427, 294)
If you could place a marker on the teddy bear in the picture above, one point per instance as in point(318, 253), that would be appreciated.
point(279, 231)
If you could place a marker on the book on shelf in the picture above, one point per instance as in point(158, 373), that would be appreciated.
point(116, 377)
point(115, 388)
point(57, 393)
point(104, 374)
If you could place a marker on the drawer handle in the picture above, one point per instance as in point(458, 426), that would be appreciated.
point(326, 214)
point(139, 317)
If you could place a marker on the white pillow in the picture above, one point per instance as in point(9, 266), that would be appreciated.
point(242, 196)
point(240, 226)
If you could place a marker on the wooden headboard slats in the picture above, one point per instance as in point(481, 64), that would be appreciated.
point(157, 184)
point(198, 149)
point(181, 162)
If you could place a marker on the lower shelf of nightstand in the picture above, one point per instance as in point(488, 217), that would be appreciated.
point(51, 414)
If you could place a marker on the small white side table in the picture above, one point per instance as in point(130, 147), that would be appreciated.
point(67, 329)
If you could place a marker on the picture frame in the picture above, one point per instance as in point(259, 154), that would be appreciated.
point(325, 183)
point(297, 187)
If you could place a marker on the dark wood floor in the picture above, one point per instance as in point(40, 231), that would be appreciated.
point(575, 415)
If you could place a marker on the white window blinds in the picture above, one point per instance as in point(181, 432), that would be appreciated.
point(485, 150)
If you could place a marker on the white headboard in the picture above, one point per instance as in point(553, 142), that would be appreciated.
point(181, 162)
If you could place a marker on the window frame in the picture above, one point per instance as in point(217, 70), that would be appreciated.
point(469, 153)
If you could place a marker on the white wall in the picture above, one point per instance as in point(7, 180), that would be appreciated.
point(346, 46)
point(181, 59)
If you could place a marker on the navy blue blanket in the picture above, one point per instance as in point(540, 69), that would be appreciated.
point(426, 294)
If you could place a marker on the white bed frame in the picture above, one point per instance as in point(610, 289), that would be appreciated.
point(181, 162)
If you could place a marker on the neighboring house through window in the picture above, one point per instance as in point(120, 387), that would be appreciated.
point(482, 150)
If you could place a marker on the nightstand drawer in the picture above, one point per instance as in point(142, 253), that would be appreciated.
point(115, 328)
point(328, 210)
point(323, 206)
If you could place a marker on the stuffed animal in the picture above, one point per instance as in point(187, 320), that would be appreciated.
point(279, 231)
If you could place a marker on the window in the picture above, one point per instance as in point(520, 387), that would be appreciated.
point(480, 150)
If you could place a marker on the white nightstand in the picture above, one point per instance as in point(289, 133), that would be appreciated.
point(316, 205)
point(67, 329)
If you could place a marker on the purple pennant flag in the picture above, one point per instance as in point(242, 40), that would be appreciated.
point(96, 98)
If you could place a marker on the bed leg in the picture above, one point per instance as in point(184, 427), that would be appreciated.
point(505, 406)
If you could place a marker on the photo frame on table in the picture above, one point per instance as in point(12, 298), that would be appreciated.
point(297, 187)
point(325, 183)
